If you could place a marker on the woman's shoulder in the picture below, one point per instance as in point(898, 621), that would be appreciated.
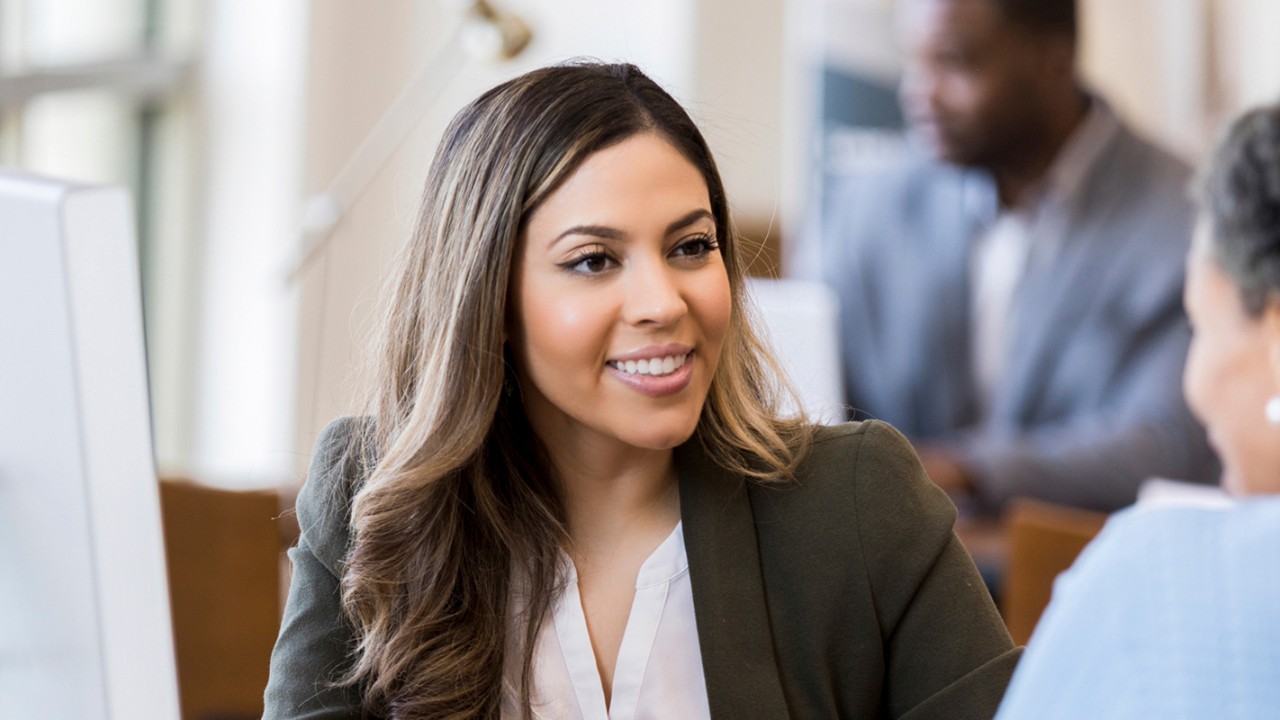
point(338, 466)
point(868, 472)
point(868, 457)
point(850, 437)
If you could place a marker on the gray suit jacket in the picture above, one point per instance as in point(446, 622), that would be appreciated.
point(842, 595)
point(1090, 403)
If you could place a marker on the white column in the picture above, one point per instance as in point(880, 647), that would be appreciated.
point(251, 89)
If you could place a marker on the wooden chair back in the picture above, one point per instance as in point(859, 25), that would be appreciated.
point(223, 555)
point(1042, 540)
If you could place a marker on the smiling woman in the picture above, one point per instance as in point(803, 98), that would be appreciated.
point(575, 496)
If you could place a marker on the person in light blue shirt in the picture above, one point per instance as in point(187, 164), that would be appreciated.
point(1175, 613)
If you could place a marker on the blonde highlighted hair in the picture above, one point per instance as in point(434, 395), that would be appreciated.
point(459, 508)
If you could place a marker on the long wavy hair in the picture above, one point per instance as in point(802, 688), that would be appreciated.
point(457, 528)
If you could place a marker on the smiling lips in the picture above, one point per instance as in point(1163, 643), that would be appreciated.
point(654, 366)
point(657, 375)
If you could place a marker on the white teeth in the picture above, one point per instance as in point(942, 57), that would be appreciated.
point(654, 366)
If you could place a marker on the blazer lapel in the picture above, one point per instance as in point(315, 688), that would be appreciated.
point(1054, 294)
point(734, 634)
point(944, 394)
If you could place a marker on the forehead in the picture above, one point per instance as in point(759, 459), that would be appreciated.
point(933, 21)
point(641, 179)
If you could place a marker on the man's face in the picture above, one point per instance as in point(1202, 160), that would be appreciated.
point(971, 86)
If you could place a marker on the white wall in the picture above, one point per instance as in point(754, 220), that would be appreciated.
point(1150, 59)
point(736, 99)
point(1248, 52)
point(1179, 69)
point(251, 100)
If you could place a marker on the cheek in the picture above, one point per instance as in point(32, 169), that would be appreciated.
point(999, 99)
point(965, 89)
point(993, 109)
point(712, 303)
point(1213, 384)
point(558, 320)
point(1222, 384)
point(954, 93)
point(557, 328)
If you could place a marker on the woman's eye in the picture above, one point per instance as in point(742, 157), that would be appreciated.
point(696, 247)
point(589, 264)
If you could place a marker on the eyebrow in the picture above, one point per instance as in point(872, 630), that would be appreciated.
point(608, 233)
point(690, 219)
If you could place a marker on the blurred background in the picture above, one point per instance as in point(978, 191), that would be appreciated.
point(224, 116)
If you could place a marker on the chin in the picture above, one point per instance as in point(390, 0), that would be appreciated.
point(1240, 485)
point(664, 437)
point(1232, 484)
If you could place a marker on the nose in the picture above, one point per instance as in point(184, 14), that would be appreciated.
point(654, 294)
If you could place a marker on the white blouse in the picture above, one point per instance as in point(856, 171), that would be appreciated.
point(659, 669)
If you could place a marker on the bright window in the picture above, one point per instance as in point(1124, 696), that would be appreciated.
point(99, 91)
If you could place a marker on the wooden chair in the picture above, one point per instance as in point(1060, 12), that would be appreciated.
point(223, 551)
point(1042, 540)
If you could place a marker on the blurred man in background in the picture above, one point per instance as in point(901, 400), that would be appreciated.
point(1011, 294)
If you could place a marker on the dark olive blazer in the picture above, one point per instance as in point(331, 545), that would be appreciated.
point(842, 595)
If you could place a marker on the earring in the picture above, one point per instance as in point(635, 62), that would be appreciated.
point(1273, 410)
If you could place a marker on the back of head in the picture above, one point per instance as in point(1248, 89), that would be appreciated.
point(1240, 194)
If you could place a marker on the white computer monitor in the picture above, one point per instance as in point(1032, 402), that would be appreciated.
point(85, 630)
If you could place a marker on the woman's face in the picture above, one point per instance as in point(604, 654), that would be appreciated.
point(1230, 374)
point(620, 301)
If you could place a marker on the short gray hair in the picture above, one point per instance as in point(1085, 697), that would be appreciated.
point(1239, 192)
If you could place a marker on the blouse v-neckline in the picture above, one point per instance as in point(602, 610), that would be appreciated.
point(660, 627)
point(737, 661)
point(665, 564)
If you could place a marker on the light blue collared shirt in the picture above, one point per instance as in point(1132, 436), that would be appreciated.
point(1170, 613)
